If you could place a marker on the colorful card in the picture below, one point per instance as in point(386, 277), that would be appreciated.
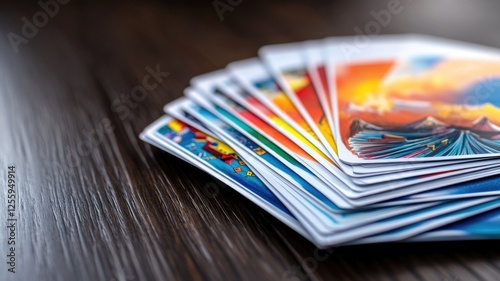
point(371, 102)
point(288, 65)
point(350, 141)
point(181, 139)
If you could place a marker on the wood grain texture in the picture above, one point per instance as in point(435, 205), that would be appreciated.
point(118, 209)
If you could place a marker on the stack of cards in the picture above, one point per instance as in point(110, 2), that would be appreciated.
point(352, 140)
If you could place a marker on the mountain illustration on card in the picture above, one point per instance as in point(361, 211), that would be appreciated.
point(426, 137)
point(485, 125)
point(427, 123)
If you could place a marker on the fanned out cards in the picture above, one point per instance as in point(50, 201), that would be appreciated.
point(395, 139)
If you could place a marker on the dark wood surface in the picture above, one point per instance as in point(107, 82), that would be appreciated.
point(117, 209)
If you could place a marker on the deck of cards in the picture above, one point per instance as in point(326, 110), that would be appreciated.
point(352, 140)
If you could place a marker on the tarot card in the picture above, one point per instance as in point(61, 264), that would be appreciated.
point(375, 105)
point(258, 194)
point(456, 116)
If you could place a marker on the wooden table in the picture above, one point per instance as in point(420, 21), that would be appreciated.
point(96, 203)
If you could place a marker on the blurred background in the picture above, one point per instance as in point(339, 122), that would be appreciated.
point(205, 35)
point(124, 211)
point(118, 39)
